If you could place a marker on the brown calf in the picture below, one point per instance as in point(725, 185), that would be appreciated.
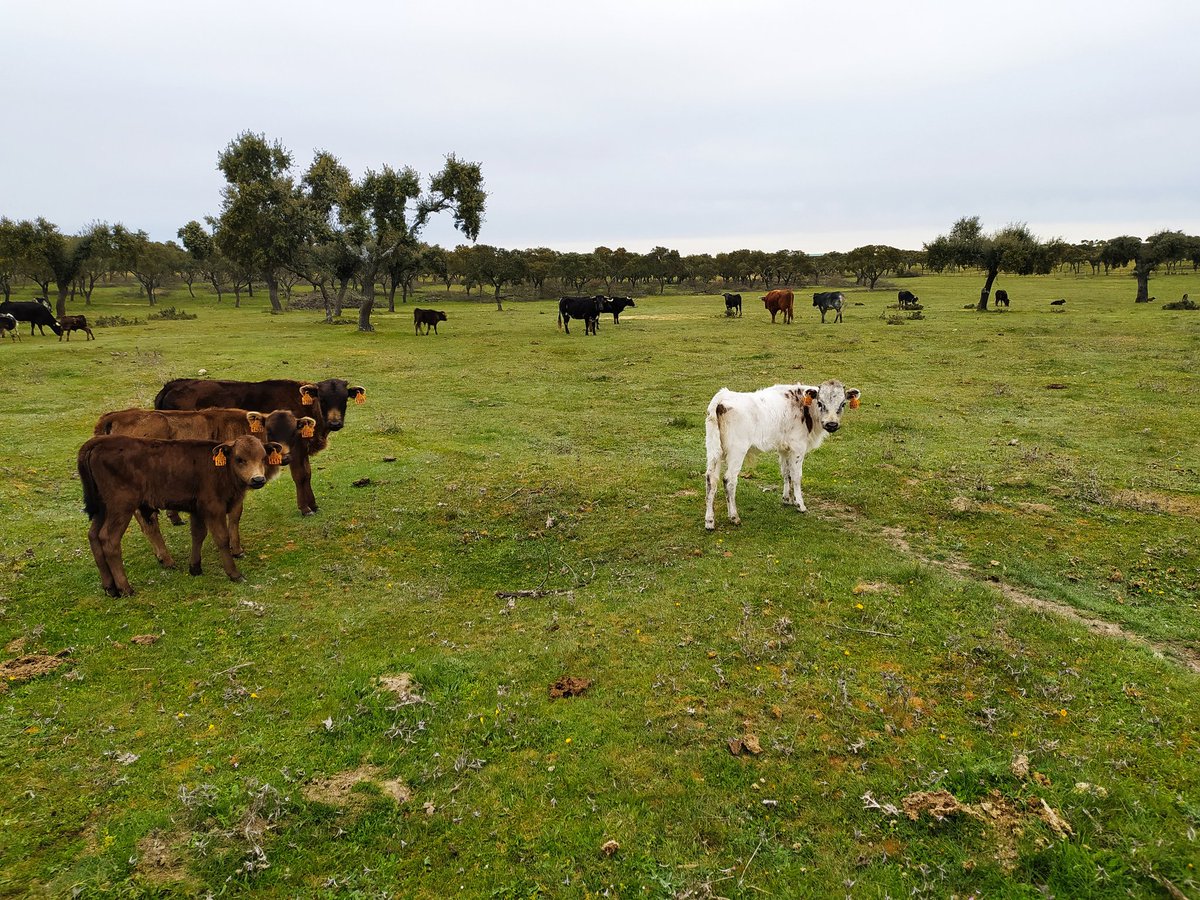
point(780, 301)
point(74, 323)
point(280, 426)
point(325, 401)
point(124, 476)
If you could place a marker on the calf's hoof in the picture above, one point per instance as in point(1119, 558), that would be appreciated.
point(237, 576)
point(167, 563)
point(112, 591)
point(735, 520)
point(237, 554)
point(710, 526)
point(308, 512)
point(195, 569)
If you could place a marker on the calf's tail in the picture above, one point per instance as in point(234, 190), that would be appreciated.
point(104, 426)
point(560, 318)
point(93, 504)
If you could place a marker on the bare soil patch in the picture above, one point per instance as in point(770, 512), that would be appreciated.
point(1159, 501)
point(23, 668)
point(402, 685)
point(337, 789)
point(160, 858)
point(569, 686)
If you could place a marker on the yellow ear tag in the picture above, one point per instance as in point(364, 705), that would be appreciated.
point(854, 403)
point(275, 459)
point(807, 400)
point(306, 399)
point(308, 431)
point(256, 426)
point(361, 398)
point(219, 458)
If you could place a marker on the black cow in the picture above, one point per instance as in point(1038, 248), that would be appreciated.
point(733, 302)
point(427, 317)
point(586, 308)
point(907, 299)
point(1061, 300)
point(8, 324)
point(1002, 297)
point(617, 305)
point(32, 312)
point(827, 300)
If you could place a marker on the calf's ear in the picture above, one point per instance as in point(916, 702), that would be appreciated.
point(358, 393)
point(256, 420)
point(308, 426)
point(274, 453)
point(810, 394)
point(853, 394)
point(218, 454)
point(308, 393)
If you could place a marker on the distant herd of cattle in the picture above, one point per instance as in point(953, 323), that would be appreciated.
point(587, 309)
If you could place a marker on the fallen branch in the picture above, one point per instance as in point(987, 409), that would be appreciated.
point(861, 630)
point(508, 595)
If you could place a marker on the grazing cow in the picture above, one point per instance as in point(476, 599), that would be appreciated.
point(8, 323)
point(827, 300)
point(74, 323)
point(127, 476)
point(427, 317)
point(280, 427)
point(907, 299)
point(733, 302)
point(1002, 297)
point(791, 419)
point(324, 401)
point(780, 301)
point(616, 306)
point(586, 308)
point(32, 312)
point(1061, 301)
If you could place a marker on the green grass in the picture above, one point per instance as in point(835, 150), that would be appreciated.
point(529, 460)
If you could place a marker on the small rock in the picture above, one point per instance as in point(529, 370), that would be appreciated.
point(202, 372)
point(389, 459)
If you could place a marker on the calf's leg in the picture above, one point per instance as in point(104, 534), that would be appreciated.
point(106, 575)
point(235, 529)
point(149, 526)
point(216, 524)
point(110, 535)
point(199, 532)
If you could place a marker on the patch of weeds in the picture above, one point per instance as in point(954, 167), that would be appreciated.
point(679, 422)
point(116, 321)
point(386, 424)
point(170, 313)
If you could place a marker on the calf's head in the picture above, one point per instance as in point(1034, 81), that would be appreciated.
point(826, 403)
point(247, 460)
point(332, 395)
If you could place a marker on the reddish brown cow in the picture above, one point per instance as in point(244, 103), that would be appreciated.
point(280, 426)
point(124, 476)
point(779, 301)
point(74, 323)
point(325, 401)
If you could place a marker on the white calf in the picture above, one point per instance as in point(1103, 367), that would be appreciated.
point(792, 419)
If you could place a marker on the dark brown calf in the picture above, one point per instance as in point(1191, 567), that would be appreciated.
point(124, 476)
point(325, 401)
point(280, 427)
point(74, 323)
point(427, 317)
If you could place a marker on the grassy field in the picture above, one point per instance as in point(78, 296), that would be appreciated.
point(993, 594)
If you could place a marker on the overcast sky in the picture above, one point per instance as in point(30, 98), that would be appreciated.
point(702, 126)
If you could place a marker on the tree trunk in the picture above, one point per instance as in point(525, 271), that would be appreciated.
point(273, 292)
point(61, 306)
point(190, 291)
point(392, 296)
point(1143, 285)
point(237, 294)
point(987, 290)
point(498, 306)
point(368, 303)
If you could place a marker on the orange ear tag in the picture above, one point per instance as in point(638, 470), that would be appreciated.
point(305, 399)
point(307, 431)
point(854, 402)
point(361, 398)
point(807, 400)
point(219, 458)
point(256, 426)
point(275, 459)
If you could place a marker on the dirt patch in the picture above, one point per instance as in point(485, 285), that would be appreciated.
point(938, 804)
point(337, 790)
point(568, 686)
point(160, 858)
point(145, 639)
point(747, 743)
point(1043, 508)
point(16, 645)
point(23, 668)
point(1004, 819)
point(872, 587)
point(405, 689)
point(1159, 501)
